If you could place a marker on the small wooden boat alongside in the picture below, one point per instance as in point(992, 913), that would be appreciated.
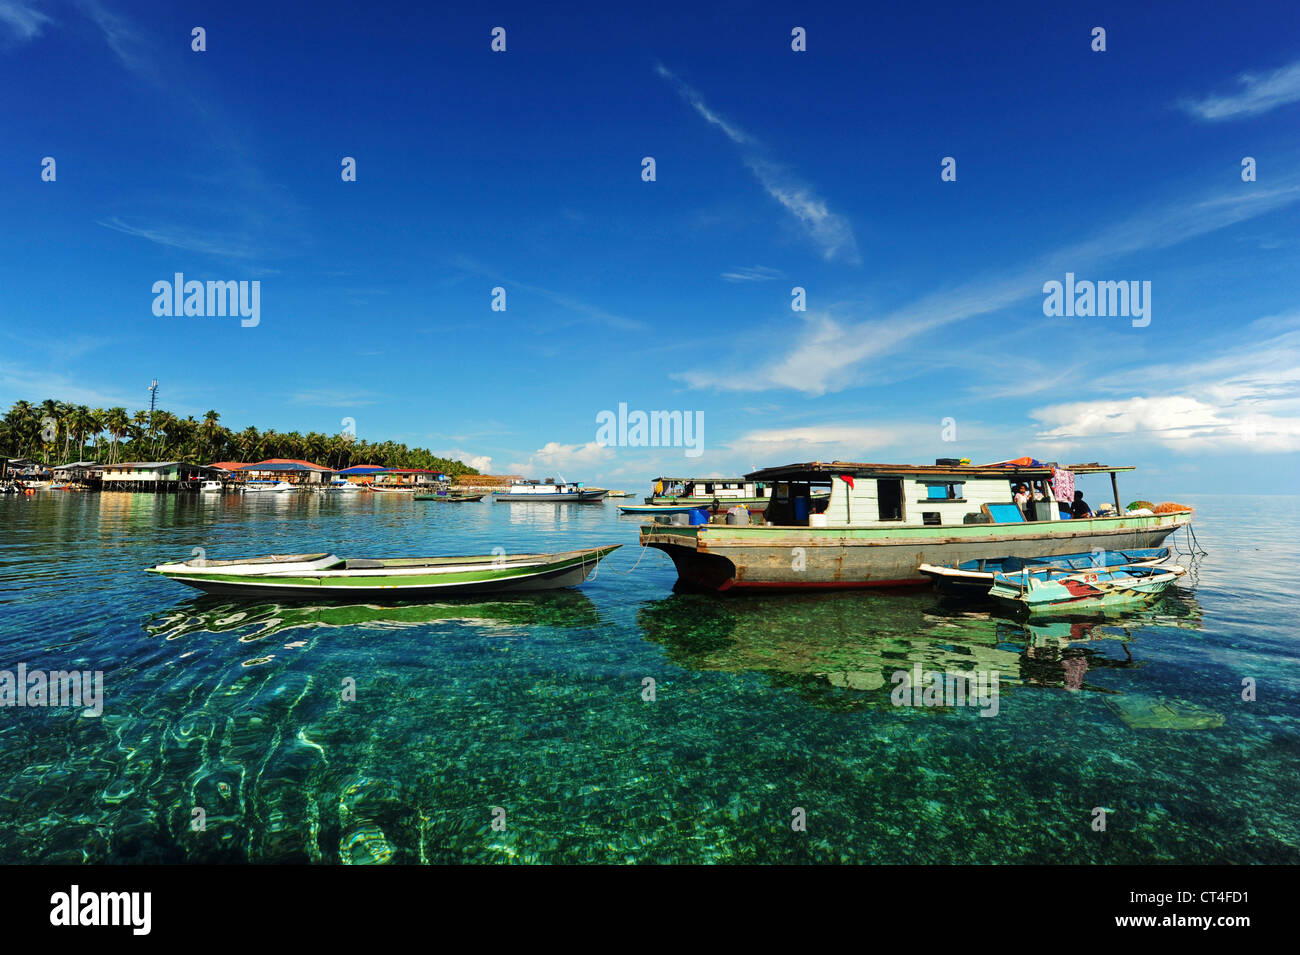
point(644, 509)
point(317, 576)
point(450, 497)
point(1065, 591)
point(973, 578)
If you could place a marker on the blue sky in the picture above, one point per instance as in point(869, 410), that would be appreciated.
point(774, 169)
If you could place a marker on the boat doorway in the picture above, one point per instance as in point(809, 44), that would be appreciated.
point(889, 497)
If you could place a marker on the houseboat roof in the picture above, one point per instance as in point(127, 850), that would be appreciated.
point(822, 470)
point(283, 464)
point(142, 465)
point(698, 480)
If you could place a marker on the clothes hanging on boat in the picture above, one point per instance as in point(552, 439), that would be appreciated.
point(1063, 486)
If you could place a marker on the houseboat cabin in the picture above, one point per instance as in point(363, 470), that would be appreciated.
point(726, 491)
point(839, 494)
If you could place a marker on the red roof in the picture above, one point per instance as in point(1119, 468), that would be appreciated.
point(307, 464)
point(227, 465)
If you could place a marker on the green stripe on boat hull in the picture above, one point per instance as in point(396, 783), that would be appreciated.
point(568, 570)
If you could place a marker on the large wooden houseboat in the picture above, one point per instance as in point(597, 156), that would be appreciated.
point(880, 522)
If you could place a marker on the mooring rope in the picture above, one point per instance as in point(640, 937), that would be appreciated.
point(615, 570)
point(1194, 545)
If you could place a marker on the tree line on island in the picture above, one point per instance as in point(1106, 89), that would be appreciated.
point(56, 432)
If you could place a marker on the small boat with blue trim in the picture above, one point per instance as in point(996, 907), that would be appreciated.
point(644, 509)
point(1064, 591)
point(973, 578)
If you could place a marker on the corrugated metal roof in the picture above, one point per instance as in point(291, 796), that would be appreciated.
point(821, 470)
point(283, 464)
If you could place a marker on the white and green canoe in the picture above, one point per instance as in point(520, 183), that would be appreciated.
point(407, 578)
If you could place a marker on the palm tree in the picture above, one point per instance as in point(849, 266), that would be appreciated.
point(79, 424)
point(117, 423)
point(210, 421)
point(49, 413)
point(246, 443)
point(98, 421)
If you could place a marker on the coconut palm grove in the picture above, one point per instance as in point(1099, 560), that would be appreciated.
point(54, 432)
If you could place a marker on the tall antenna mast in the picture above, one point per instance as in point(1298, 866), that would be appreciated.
point(153, 403)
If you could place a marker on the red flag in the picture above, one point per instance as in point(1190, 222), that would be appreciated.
point(847, 479)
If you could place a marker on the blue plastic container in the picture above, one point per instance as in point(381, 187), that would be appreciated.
point(699, 515)
point(801, 508)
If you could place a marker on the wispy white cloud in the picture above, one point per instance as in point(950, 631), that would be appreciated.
point(554, 459)
point(830, 353)
point(128, 44)
point(756, 273)
point(20, 23)
point(27, 384)
point(1259, 93)
point(829, 230)
point(592, 312)
point(335, 398)
point(821, 442)
point(1179, 422)
point(191, 240)
point(1246, 399)
point(479, 462)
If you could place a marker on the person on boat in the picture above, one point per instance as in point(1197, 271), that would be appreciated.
point(1021, 498)
point(1080, 507)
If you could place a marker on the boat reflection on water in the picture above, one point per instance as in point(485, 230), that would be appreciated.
point(823, 645)
point(253, 622)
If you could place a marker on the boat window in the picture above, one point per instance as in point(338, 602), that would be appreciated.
point(889, 497)
point(931, 517)
point(945, 490)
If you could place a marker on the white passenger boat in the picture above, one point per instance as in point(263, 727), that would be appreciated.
point(549, 491)
point(269, 487)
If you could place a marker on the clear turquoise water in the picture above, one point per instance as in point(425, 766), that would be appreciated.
point(535, 705)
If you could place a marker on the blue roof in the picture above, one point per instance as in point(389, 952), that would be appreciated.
point(280, 467)
point(362, 469)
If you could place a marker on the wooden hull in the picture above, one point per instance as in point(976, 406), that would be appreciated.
point(644, 509)
point(1083, 592)
point(575, 497)
point(393, 580)
point(717, 557)
point(753, 503)
point(972, 584)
